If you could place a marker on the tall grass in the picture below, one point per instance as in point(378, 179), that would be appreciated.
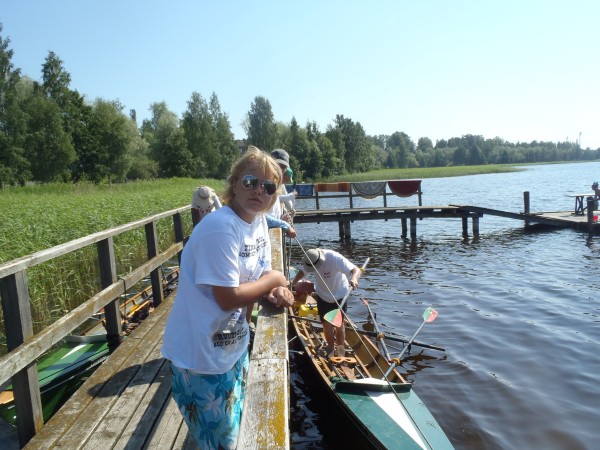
point(34, 218)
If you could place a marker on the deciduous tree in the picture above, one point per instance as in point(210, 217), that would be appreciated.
point(261, 128)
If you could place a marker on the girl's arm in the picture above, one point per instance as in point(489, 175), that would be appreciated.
point(247, 293)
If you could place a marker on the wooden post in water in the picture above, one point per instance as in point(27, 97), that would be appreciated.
point(404, 228)
point(526, 206)
point(465, 227)
point(344, 229)
point(413, 228)
point(475, 226)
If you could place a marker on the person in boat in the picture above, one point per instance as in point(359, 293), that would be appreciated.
point(335, 275)
point(204, 201)
point(225, 267)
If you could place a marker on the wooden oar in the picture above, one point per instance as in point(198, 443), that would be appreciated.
point(429, 315)
point(373, 334)
point(380, 339)
point(335, 317)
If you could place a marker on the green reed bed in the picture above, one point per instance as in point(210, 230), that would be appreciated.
point(35, 218)
point(428, 172)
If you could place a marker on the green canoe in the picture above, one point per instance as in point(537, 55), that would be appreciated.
point(387, 413)
point(60, 373)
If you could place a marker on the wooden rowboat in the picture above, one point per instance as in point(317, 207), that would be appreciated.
point(387, 412)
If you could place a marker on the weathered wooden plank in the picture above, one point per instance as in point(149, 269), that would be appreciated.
point(133, 397)
point(185, 440)
point(168, 427)
point(109, 390)
point(266, 410)
point(265, 416)
point(136, 433)
point(271, 333)
point(129, 352)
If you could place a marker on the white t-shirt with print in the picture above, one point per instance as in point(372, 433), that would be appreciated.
point(335, 271)
point(223, 250)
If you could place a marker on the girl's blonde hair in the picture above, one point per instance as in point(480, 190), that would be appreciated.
point(253, 158)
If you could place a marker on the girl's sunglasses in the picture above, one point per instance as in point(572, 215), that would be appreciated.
point(250, 182)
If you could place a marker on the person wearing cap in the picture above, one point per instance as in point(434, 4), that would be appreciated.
point(225, 267)
point(204, 200)
point(282, 158)
point(335, 275)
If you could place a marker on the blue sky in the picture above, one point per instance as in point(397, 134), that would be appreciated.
point(521, 70)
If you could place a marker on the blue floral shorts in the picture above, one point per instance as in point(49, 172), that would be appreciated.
point(212, 404)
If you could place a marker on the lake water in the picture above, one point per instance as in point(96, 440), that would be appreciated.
point(519, 313)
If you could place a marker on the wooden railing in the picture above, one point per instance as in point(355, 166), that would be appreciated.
point(25, 347)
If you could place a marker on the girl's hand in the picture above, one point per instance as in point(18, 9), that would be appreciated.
point(281, 296)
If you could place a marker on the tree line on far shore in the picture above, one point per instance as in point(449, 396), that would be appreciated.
point(49, 133)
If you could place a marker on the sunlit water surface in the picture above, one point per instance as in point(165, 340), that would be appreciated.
point(518, 314)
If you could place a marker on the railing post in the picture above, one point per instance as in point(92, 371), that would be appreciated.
point(17, 320)
point(108, 275)
point(178, 228)
point(155, 275)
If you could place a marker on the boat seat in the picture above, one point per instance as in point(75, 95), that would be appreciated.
point(346, 360)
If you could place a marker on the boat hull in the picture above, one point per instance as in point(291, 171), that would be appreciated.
point(389, 414)
point(60, 374)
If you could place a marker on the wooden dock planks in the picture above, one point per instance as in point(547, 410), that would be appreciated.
point(121, 403)
point(127, 404)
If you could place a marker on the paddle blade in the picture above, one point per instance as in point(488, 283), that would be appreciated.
point(429, 315)
point(334, 317)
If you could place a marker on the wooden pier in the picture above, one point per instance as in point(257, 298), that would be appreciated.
point(126, 402)
point(582, 218)
point(406, 214)
point(374, 189)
